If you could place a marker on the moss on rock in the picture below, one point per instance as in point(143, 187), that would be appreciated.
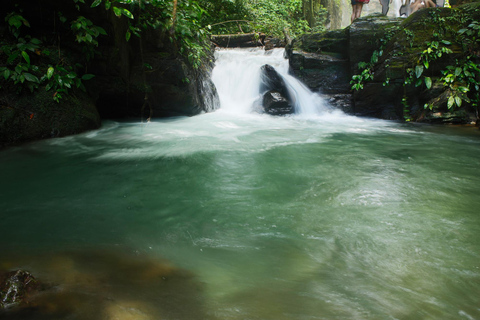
point(36, 116)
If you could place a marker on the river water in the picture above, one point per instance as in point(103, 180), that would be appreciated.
point(239, 215)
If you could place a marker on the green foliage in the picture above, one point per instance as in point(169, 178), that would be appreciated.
point(471, 35)
point(267, 16)
point(226, 16)
point(23, 67)
point(273, 17)
point(366, 75)
point(366, 68)
point(184, 29)
point(86, 33)
point(62, 79)
point(433, 51)
point(462, 79)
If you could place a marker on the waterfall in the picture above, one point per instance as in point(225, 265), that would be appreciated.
point(237, 78)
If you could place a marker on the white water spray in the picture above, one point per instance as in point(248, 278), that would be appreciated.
point(237, 78)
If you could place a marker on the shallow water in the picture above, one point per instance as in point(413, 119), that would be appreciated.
point(251, 217)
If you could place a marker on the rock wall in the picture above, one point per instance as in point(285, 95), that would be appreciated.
point(327, 61)
point(148, 78)
point(144, 77)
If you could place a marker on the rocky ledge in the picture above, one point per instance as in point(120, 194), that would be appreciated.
point(326, 62)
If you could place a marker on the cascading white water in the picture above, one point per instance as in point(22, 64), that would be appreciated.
point(237, 78)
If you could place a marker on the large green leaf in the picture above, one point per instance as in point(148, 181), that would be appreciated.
point(50, 72)
point(458, 71)
point(418, 71)
point(26, 57)
point(101, 30)
point(87, 76)
point(15, 20)
point(127, 13)
point(30, 77)
point(117, 11)
point(96, 3)
point(458, 101)
point(6, 73)
point(428, 82)
point(451, 101)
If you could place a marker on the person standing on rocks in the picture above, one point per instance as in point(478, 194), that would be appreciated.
point(420, 4)
point(357, 6)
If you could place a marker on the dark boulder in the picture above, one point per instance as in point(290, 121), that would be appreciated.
point(37, 116)
point(364, 36)
point(277, 100)
point(274, 103)
point(272, 80)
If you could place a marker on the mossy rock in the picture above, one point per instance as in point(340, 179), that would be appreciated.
point(329, 42)
point(36, 116)
point(403, 51)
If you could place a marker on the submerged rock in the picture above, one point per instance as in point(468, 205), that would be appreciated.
point(100, 285)
point(16, 287)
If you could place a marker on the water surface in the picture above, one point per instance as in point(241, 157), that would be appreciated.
point(236, 215)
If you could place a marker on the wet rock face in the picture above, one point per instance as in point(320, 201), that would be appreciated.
point(169, 86)
point(136, 78)
point(397, 99)
point(271, 80)
point(364, 37)
point(326, 62)
point(276, 100)
point(321, 62)
point(274, 103)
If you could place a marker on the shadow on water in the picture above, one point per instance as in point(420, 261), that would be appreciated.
point(107, 285)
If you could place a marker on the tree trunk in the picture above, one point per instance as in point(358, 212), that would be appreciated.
point(174, 17)
point(312, 13)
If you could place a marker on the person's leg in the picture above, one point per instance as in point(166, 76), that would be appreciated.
point(385, 5)
point(416, 5)
point(353, 3)
point(357, 11)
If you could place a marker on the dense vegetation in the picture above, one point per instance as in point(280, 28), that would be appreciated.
point(30, 59)
point(267, 16)
point(33, 57)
